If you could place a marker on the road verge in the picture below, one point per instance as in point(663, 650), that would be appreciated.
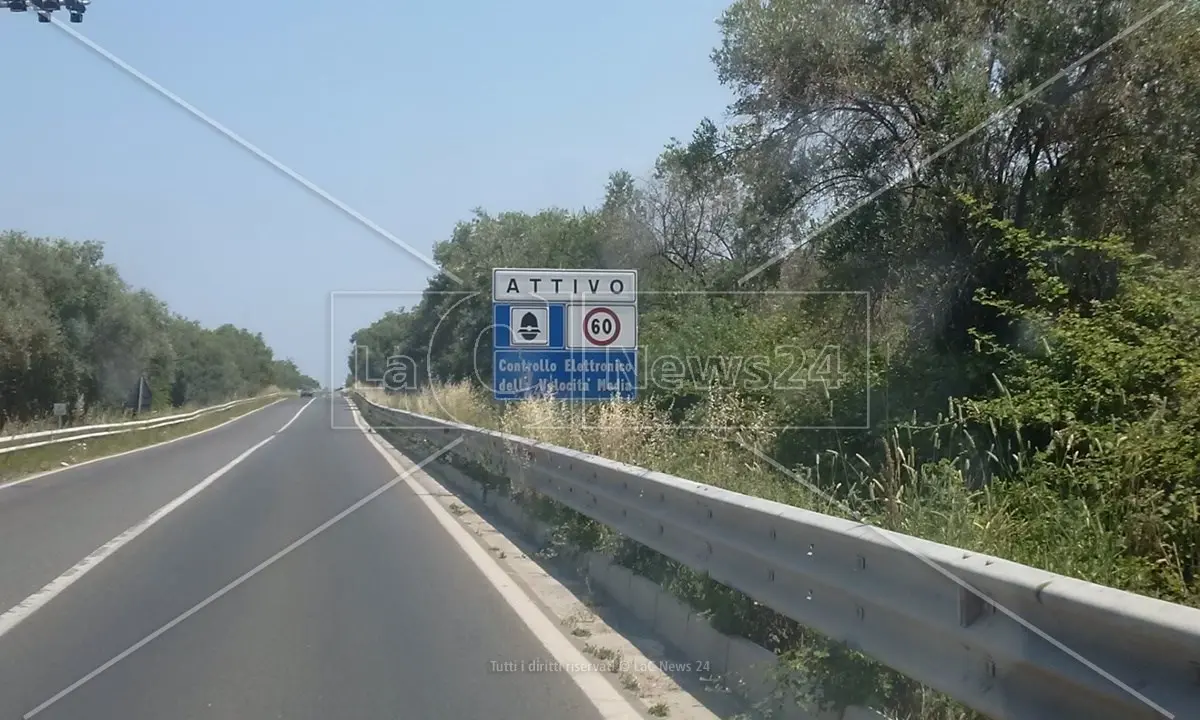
point(692, 659)
point(21, 466)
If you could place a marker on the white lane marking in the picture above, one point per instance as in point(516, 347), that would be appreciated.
point(38, 476)
point(611, 704)
point(246, 576)
point(14, 615)
point(289, 422)
point(17, 613)
point(31, 604)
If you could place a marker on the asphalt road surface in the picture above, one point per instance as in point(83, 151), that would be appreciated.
point(379, 616)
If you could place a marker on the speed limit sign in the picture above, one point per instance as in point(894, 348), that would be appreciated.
point(571, 334)
point(602, 326)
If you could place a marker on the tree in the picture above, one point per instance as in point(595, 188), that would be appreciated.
point(839, 98)
point(72, 331)
point(285, 375)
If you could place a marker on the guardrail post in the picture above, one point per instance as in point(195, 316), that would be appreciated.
point(971, 607)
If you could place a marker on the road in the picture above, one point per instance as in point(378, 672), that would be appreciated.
point(380, 615)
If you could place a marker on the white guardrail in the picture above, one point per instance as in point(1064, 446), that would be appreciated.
point(28, 441)
point(944, 616)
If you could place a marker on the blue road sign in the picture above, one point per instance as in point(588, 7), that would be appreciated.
point(571, 334)
point(565, 374)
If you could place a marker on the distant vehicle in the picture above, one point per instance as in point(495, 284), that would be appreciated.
point(306, 393)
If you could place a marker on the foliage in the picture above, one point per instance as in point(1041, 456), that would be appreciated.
point(1099, 403)
point(1016, 299)
point(72, 331)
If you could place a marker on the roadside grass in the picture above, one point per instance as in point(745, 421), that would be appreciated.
point(927, 499)
point(930, 500)
point(15, 465)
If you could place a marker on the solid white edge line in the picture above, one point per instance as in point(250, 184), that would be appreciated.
point(22, 610)
point(38, 476)
point(34, 602)
point(602, 694)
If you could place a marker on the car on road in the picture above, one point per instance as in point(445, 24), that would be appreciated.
point(306, 393)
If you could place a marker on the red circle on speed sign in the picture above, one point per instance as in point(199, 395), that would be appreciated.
point(601, 326)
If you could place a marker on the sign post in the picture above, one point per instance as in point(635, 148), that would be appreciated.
point(570, 334)
point(140, 398)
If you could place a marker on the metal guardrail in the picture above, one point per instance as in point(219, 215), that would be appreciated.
point(28, 441)
point(927, 610)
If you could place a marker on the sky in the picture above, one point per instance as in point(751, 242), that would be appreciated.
point(410, 113)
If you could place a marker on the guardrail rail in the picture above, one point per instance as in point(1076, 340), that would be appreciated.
point(1010, 641)
point(28, 441)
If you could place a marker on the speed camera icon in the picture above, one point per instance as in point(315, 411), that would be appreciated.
point(528, 326)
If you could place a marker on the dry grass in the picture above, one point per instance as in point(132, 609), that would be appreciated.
point(931, 500)
point(928, 500)
point(106, 415)
point(630, 432)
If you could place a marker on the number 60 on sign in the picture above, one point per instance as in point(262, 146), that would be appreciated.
point(601, 326)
